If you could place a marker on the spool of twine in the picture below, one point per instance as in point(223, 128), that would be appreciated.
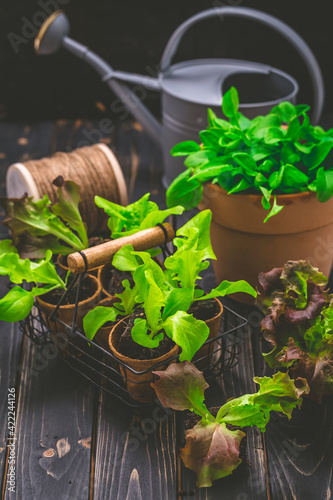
point(94, 168)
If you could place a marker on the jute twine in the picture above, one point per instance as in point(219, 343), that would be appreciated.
point(94, 169)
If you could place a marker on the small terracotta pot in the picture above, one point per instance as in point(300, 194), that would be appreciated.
point(244, 246)
point(137, 384)
point(206, 350)
point(65, 312)
point(103, 272)
point(62, 263)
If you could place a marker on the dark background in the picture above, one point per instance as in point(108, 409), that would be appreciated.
point(131, 36)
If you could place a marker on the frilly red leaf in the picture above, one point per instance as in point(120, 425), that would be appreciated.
point(181, 387)
point(211, 451)
point(317, 370)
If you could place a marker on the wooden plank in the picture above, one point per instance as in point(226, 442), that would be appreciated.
point(53, 429)
point(55, 405)
point(135, 453)
point(19, 142)
point(300, 453)
point(249, 480)
point(11, 341)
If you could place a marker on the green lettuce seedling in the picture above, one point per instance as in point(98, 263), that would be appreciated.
point(212, 450)
point(279, 153)
point(37, 227)
point(299, 324)
point(140, 215)
point(18, 302)
point(167, 295)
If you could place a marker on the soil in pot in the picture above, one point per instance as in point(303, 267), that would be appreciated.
point(131, 349)
point(111, 280)
point(88, 298)
point(87, 290)
point(138, 384)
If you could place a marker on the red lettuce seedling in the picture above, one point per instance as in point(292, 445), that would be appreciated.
point(299, 324)
point(39, 226)
point(211, 449)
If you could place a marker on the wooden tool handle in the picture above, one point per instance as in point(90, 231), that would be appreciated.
point(102, 254)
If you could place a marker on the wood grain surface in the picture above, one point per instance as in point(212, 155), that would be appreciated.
point(135, 453)
point(76, 442)
point(249, 480)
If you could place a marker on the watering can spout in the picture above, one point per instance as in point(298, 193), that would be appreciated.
point(54, 34)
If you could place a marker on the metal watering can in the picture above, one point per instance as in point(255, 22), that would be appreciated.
point(190, 87)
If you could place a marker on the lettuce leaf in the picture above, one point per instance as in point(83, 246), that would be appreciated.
point(212, 450)
point(299, 324)
point(137, 216)
point(38, 226)
point(182, 387)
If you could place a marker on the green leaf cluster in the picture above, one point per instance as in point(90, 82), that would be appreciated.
point(212, 450)
point(39, 226)
point(279, 153)
point(18, 302)
point(140, 215)
point(167, 295)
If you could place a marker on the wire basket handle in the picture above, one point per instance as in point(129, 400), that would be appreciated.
point(88, 259)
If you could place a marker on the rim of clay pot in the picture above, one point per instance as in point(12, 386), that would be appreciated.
point(127, 362)
point(60, 261)
point(219, 313)
point(45, 304)
point(244, 213)
point(258, 196)
point(101, 276)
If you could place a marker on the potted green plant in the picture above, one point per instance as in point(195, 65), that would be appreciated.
point(42, 274)
point(299, 324)
point(265, 180)
point(125, 221)
point(213, 445)
point(170, 305)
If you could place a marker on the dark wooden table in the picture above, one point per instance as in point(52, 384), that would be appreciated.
point(75, 442)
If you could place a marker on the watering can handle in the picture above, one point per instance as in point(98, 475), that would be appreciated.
point(288, 33)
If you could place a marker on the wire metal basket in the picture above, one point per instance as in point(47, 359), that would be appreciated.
point(110, 374)
point(99, 365)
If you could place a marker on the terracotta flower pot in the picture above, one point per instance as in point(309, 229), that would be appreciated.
point(245, 246)
point(206, 350)
point(66, 311)
point(137, 384)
